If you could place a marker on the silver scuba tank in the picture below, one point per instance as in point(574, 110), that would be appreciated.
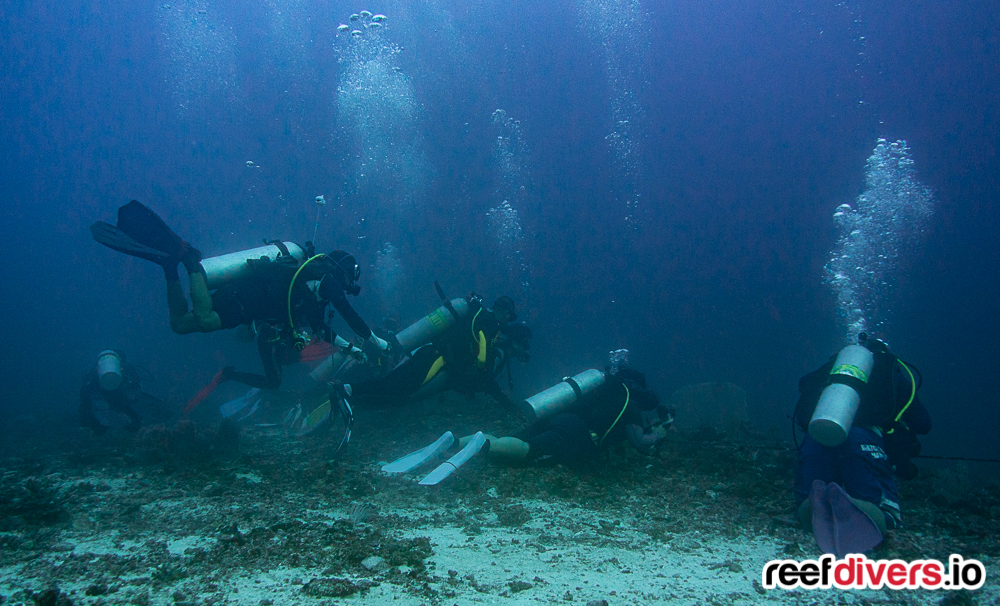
point(109, 370)
point(329, 368)
point(433, 324)
point(834, 414)
point(232, 266)
point(562, 395)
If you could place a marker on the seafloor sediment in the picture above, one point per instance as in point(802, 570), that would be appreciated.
point(210, 514)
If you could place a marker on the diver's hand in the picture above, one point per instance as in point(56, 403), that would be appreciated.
point(356, 353)
point(382, 344)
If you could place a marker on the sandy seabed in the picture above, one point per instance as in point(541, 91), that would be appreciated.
point(205, 514)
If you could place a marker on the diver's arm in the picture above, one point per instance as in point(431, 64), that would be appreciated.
point(333, 291)
point(640, 439)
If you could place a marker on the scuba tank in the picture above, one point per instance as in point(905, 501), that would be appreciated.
point(232, 266)
point(562, 395)
point(834, 414)
point(433, 324)
point(109, 370)
point(329, 368)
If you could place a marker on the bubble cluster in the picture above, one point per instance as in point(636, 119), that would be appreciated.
point(511, 155)
point(389, 276)
point(504, 224)
point(884, 224)
point(511, 167)
point(200, 50)
point(377, 118)
point(620, 29)
point(362, 24)
point(618, 360)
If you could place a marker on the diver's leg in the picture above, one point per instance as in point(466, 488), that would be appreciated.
point(507, 448)
point(270, 356)
point(868, 477)
point(201, 318)
point(182, 321)
point(201, 299)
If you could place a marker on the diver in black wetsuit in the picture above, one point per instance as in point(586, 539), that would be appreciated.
point(464, 358)
point(260, 301)
point(280, 298)
point(111, 385)
point(622, 409)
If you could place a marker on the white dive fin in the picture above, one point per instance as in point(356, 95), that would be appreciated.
point(418, 458)
point(448, 467)
point(234, 406)
point(248, 413)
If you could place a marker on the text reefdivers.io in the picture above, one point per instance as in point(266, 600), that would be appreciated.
point(858, 572)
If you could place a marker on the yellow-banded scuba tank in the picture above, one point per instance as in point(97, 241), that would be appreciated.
point(424, 330)
point(232, 266)
point(839, 402)
point(561, 396)
point(109, 370)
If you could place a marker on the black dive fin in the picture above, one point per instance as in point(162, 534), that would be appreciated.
point(147, 228)
point(116, 239)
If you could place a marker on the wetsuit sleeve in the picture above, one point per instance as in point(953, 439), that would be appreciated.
point(638, 438)
point(333, 291)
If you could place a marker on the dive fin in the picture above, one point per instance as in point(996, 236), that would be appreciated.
point(116, 239)
point(315, 419)
point(234, 406)
point(146, 227)
point(419, 457)
point(854, 530)
point(839, 526)
point(448, 467)
point(141, 233)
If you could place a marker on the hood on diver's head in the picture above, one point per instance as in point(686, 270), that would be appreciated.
point(507, 304)
point(349, 268)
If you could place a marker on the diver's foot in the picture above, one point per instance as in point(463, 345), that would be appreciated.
point(191, 259)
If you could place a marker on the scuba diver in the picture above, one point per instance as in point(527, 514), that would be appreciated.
point(862, 415)
point(623, 408)
point(112, 387)
point(465, 357)
point(576, 421)
point(282, 295)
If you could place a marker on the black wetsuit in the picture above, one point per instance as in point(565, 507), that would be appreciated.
point(455, 352)
point(609, 415)
point(118, 400)
point(261, 300)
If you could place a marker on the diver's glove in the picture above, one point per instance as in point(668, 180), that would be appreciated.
point(359, 356)
point(382, 344)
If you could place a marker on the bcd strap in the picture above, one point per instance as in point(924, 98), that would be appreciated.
point(446, 301)
point(281, 247)
point(851, 380)
point(576, 386)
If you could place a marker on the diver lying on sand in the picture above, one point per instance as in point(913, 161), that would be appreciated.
point(466, 357)
point(577, 421)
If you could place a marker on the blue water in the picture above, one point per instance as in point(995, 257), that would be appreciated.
point(670, 172)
